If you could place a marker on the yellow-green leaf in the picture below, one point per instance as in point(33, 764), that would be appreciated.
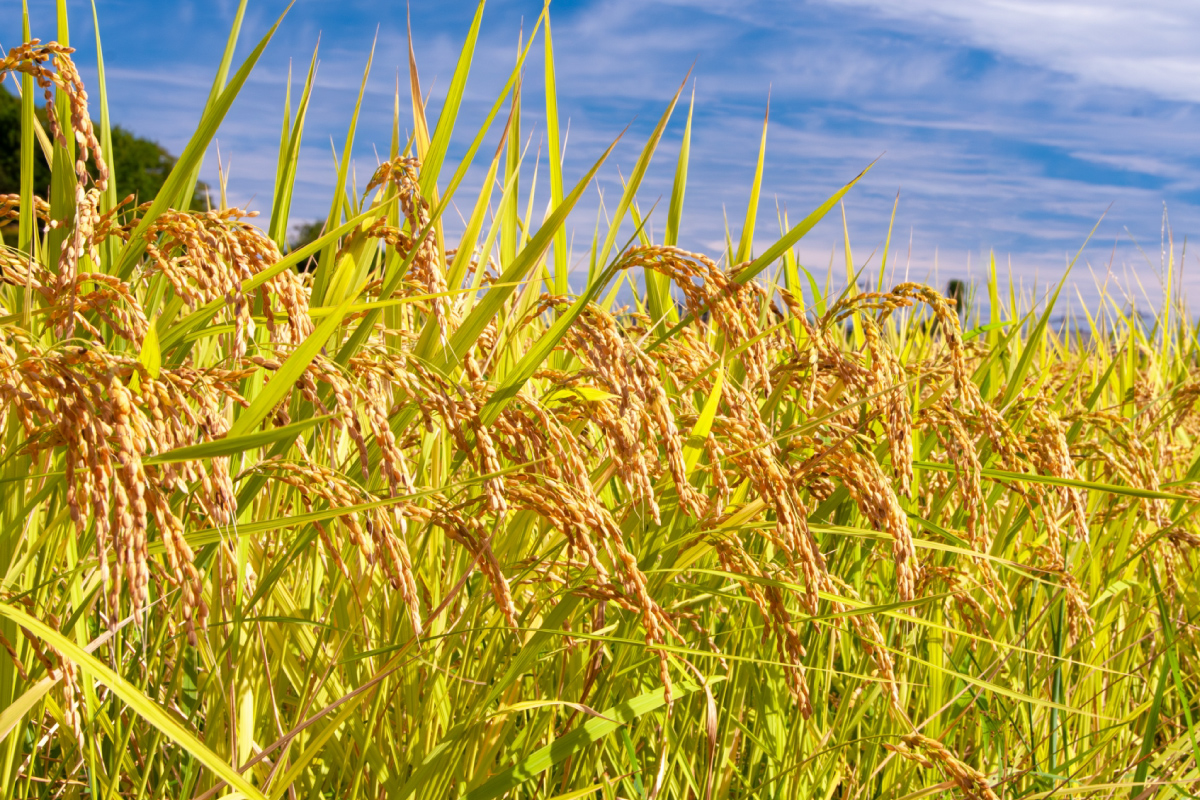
point(143, 706)
point(150, 357)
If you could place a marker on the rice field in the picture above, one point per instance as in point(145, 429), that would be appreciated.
point(405, 514)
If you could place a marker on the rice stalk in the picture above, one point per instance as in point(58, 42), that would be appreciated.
point(411, 526)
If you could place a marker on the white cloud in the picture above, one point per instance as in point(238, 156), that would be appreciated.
point(972, 149)
point(1148, 46)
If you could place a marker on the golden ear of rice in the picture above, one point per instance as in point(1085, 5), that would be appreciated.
point(826, 528)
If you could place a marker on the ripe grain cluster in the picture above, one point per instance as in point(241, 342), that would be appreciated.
point(395, 516)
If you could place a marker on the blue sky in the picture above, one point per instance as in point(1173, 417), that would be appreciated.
point(1006, 125)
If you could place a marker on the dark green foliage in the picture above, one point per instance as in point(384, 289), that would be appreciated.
point(956, 293)
point(10, 148)
point(141, 165)
point(306, 233)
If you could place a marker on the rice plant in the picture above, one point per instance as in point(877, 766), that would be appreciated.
point(431, 519)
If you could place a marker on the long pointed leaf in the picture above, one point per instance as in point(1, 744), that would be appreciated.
point(440, 142)
point(747, 240)
point(776, 251)
point(291, 370)
point(143, 706)
point(192, 154)
point(639, 172)
point(593, 730)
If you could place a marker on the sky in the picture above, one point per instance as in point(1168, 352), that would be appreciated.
point(1010, 127)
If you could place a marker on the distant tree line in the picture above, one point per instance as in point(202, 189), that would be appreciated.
point(141, 166)
point(306, 233)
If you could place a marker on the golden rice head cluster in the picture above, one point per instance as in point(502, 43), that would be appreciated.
point(932, 754)
point(34, 58)
point(208, 256)
point(737, 430)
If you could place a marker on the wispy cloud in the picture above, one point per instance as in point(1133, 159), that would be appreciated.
point(1149, 46)
point(1007, 124)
